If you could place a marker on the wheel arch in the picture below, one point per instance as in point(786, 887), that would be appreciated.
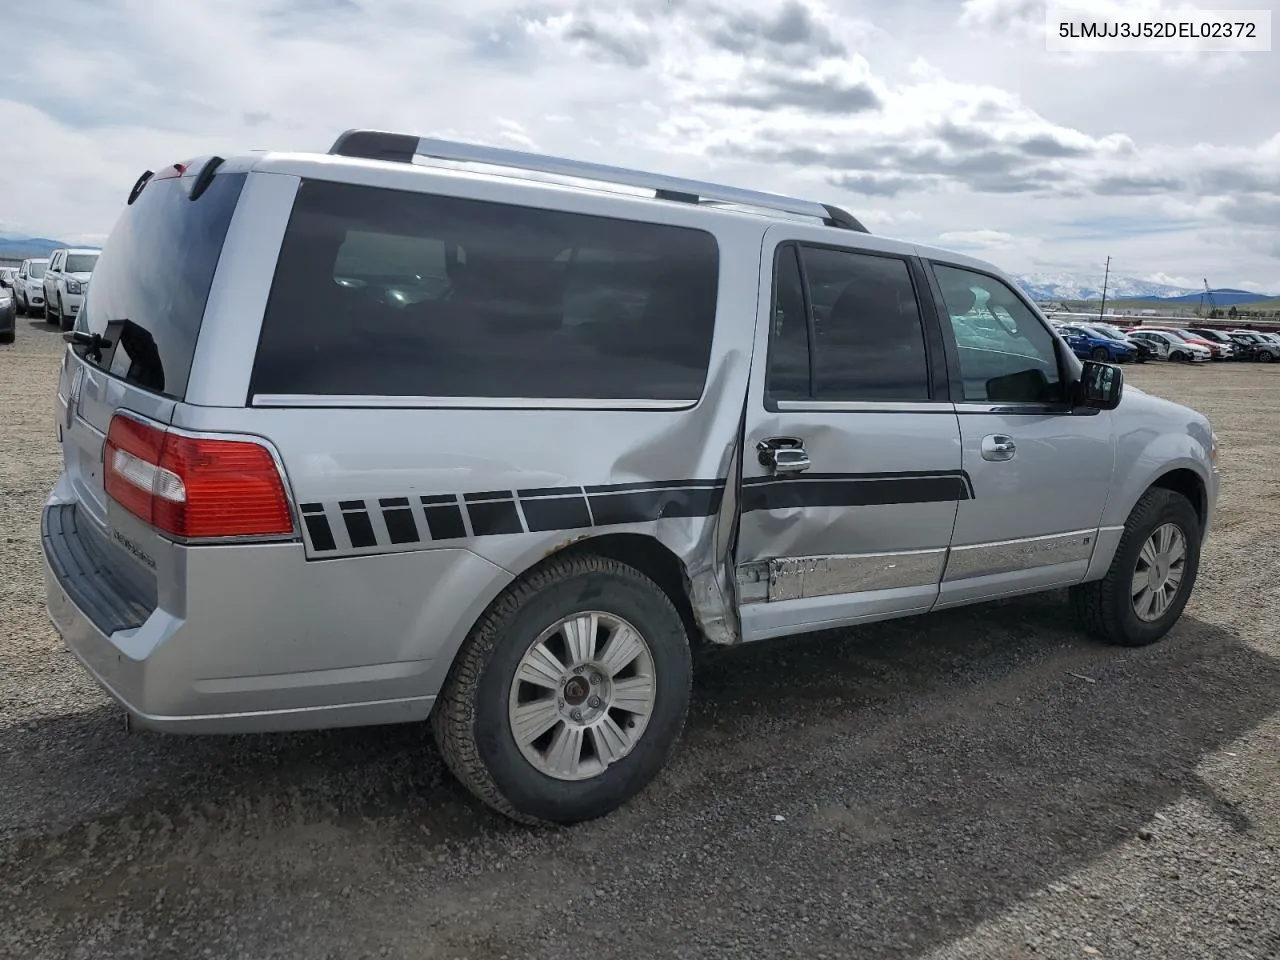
point(1181, 473)
point(645, 553)
point(1190, 484)
point(1182, 476)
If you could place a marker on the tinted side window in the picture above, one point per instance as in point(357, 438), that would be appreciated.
point(1006, 354)
point(389, 293)
point(788, 377)
point(868, 337)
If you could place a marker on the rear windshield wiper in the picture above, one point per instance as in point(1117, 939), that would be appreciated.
point(95, 342)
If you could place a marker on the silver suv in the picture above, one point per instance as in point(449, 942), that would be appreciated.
point(431, 430)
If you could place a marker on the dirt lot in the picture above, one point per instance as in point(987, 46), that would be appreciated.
point(981, 784)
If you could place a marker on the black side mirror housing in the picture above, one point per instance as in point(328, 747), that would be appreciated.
point(1100, 386)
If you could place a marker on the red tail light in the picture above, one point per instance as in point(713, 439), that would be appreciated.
point(195, 487)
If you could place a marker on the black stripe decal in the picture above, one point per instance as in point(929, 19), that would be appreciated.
point(444, 521)
point(650, 485)
point(555, 513)
point(401, 527)
point(359, 527)
point(548, 492)
point(493, 517)
point(854, 491)
point(548, 509)
point(488, 495)
point(641, 506)
point(319, 530)
point(894, 475)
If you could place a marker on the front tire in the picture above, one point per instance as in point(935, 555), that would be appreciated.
point(1151, 576)
point(1179, 357)
point(1100, 354)
point(65, 323)
point(569, 694)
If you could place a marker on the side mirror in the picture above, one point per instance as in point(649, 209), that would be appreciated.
point(1100, 386)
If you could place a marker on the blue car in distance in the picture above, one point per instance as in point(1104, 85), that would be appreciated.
point(1092, 345)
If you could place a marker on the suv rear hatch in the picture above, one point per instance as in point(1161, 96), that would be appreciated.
point(132, 350)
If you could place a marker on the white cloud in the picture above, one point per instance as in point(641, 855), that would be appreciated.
point(1170, 281)
point(978, 239)
point(924, 119)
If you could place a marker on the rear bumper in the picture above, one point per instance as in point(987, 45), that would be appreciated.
point(269, 642)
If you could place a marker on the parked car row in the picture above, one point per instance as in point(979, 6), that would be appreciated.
point(53, 288)
point(1225, 344)
point(1251, 344)
point(1102, 342)
point(1109, 343)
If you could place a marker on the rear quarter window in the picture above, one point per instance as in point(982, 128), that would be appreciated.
point(397, 294)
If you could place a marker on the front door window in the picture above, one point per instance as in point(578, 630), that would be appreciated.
point(1006, 354)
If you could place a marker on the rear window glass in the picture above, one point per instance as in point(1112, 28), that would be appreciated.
point(388, 293)
point(152, 280)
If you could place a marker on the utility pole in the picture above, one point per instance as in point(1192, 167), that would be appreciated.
point(1208, 295)
point(1105, 277)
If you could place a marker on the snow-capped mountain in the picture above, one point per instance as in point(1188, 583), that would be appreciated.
point(1044, 286)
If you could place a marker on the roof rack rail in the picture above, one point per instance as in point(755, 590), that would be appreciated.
point(403, 148)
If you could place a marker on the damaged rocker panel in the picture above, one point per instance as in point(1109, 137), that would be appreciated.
point(794, 578)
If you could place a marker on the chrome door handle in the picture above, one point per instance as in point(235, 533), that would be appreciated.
point(783, 455)
point(997, 446)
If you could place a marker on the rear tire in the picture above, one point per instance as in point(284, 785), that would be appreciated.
point(478, 708)
point(8, 336)
point(1108, 609)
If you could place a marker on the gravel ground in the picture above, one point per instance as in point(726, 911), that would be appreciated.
point(979, 784)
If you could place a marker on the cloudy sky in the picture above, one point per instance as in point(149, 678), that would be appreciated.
point(941, 121)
